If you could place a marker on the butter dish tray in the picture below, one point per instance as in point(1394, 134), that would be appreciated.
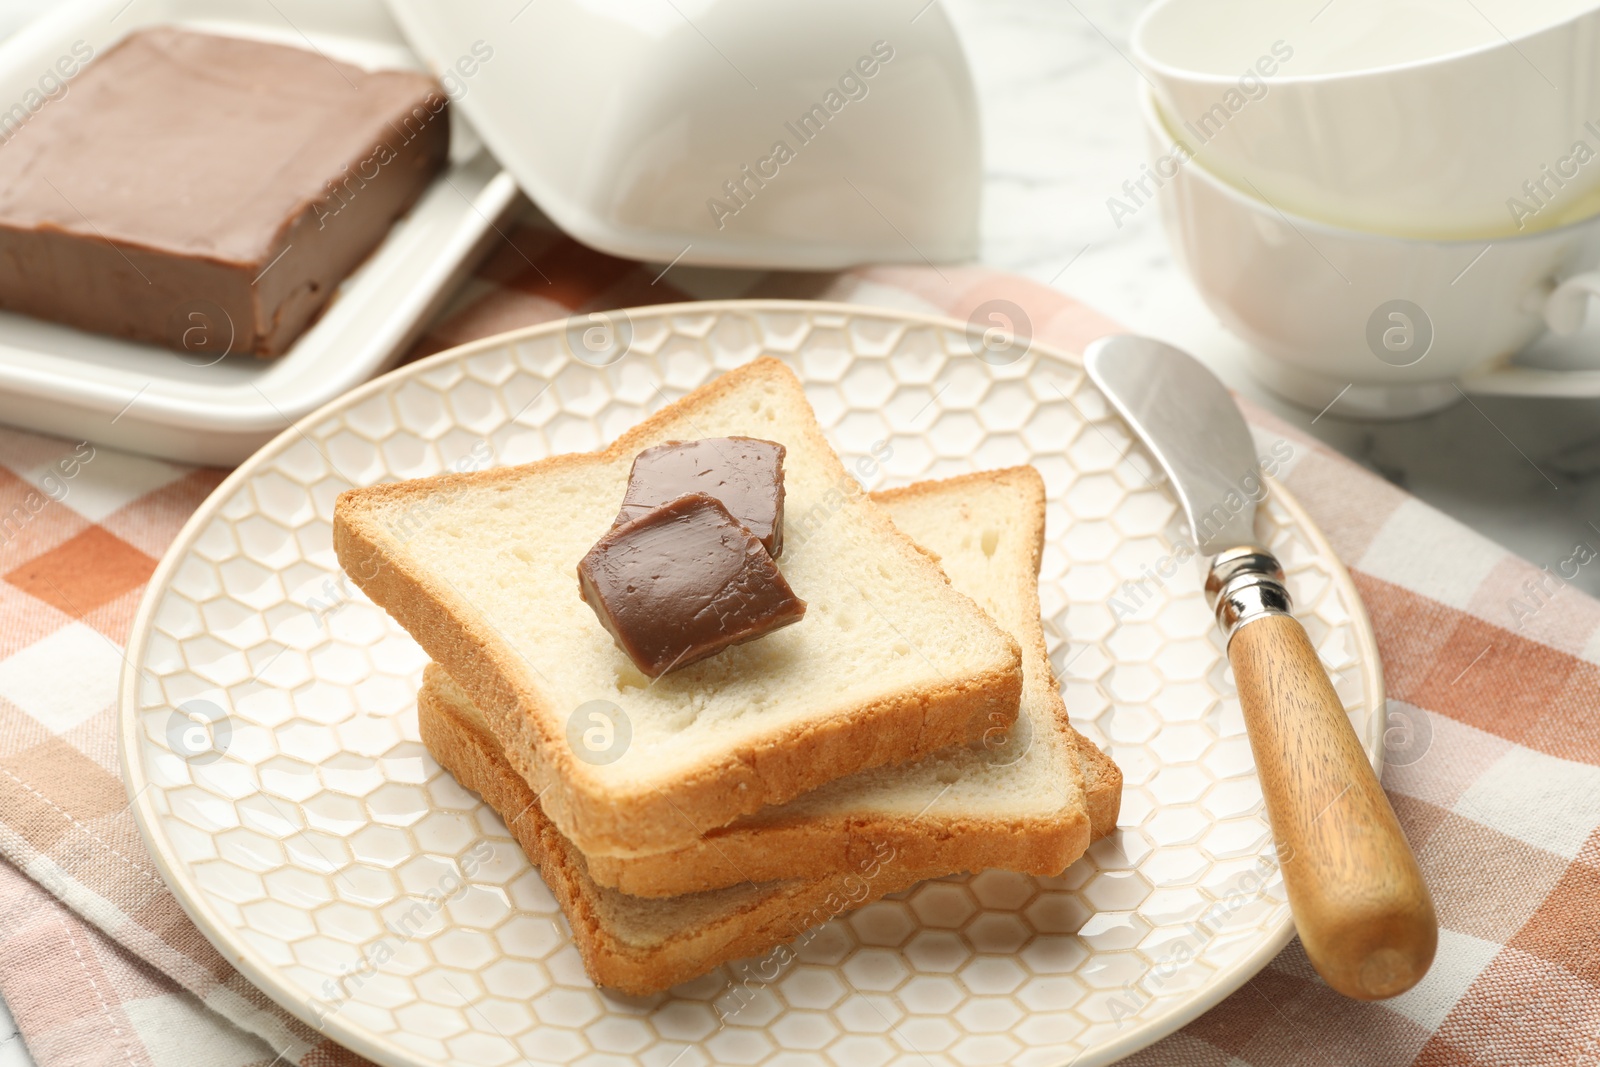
point(196, 407)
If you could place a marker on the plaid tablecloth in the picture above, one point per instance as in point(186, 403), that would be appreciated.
point(1490, 661)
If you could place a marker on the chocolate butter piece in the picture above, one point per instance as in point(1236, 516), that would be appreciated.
point(745, 473)
point(207, 193)
point(682, 582)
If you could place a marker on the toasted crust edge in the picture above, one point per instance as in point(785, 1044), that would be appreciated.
point(782, 913)
point(1035, 847)
point(954, 846)
point(778, 916)
point(596, 815)
point(1105, 795)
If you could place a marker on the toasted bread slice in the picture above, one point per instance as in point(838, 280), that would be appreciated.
point(638, 945)
point(1102, 786)
point(1014, 801)
point(890, 663)
point(633, 944)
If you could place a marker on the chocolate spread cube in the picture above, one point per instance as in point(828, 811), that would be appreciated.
point(745, 473)
point(684, 581)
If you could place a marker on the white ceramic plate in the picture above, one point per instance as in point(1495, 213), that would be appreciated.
point(323, 818)
point(66, 382)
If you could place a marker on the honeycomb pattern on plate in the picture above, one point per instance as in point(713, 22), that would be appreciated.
point(313, 835)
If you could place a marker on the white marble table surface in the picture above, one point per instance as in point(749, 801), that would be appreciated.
point(1061, 134)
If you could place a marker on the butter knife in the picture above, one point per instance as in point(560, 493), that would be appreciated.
point(1362, 910)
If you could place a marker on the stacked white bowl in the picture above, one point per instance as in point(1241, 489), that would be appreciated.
point(1385, 197)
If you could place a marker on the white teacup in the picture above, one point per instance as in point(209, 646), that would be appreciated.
point(1422, 118)
point(1391, 323)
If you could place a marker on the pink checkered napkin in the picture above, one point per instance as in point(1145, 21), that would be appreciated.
point(100, 966)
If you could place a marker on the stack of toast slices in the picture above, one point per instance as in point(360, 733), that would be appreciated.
point(909, 727)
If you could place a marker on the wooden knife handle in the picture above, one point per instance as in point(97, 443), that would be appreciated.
point(1364, 915)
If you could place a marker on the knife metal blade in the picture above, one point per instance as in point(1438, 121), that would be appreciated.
point(1190, 423)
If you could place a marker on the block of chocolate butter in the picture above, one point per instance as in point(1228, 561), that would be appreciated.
point(745, 473)
point(682, 582)
point(209, 193)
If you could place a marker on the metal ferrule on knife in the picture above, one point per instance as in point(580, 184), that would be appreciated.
point(1245, 584)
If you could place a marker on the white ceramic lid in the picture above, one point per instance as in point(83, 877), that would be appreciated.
point(801, 134)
